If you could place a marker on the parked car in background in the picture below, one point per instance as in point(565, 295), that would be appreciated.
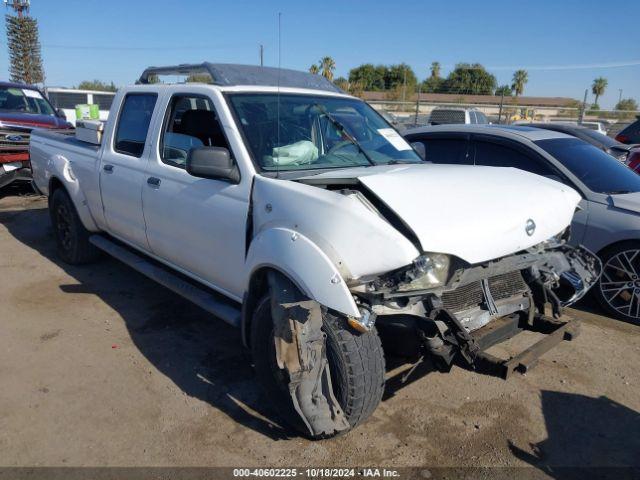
point(633, 160)
point(595, 126)
point(22, 108)
point(449, 115)
point(608, 144)
point(299, 215)
point(631, 134)
point(608, 219)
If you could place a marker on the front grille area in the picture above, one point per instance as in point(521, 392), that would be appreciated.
point(14, 141)
point(469, 296)
point(507, 285)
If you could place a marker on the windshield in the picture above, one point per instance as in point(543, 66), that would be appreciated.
point(13, 99)
point(598, 170)
point(306, 132)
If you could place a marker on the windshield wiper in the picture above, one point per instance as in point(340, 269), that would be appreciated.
point(342, 129)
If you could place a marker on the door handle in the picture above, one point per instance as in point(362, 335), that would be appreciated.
point(108, 168)
point(153, 181)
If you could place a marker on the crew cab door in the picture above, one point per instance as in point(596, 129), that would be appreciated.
point(197, 225)
point(123, 166)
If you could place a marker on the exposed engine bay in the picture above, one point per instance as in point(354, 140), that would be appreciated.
point(441, 300)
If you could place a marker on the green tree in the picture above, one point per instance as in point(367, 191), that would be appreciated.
point(370, 78)
point(342, 83)
point(97, 85)
point(396, 75)
point(433, 85)
point(470, 79)
point(520, 79)
point(627, 104)
point(598, 87)
point(503, 90)
point(315, 69)
point(435, 70)
point(199, 78)
point(327, 66)
point(25, 56)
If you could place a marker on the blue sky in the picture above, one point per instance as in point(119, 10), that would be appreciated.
point(114, 40)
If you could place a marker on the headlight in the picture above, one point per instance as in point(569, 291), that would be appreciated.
point(428, 271)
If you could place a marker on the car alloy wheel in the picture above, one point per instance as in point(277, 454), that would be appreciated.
point(620, 283)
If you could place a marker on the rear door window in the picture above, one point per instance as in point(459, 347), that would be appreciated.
point(133, 123)
point(492, 154)
point(452, 151)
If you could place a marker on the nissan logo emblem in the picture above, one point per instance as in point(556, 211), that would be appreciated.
point(530, 227)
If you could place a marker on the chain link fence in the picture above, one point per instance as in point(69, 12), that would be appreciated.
point(510, 111)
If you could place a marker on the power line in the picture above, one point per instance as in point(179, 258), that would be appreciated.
point(122, 47)
point(579, 66)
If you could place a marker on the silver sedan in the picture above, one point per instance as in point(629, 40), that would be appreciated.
point(608, 219)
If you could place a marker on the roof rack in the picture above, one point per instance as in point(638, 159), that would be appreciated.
point(228, 74)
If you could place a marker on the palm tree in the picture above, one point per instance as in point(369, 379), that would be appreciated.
point(327, 66)
point(598, 87)
point(435, 70)
point(520, 78)
point(315, 69)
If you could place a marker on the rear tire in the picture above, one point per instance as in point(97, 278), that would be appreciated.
point(618, 288)
point(72, 238)
point(356, 363)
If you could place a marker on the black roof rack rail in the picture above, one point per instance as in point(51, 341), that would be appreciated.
point(228, 74)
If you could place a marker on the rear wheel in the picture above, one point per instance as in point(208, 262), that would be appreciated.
point(356, 362)
point(618, 289)
point(72, 238)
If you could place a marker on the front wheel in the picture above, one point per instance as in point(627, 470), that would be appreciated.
point(356, 363)
point(618, 289)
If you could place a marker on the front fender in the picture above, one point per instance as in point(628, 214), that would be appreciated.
point(60, 169)
point(304, 263)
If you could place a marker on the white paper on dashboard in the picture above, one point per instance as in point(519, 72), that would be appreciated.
point(31, 93)
point(394, 138)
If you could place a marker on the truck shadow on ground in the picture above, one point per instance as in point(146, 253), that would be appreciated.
point(202, 355)
point(587, 437)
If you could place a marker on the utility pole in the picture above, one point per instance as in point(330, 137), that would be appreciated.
point(583, 108)
point(619, 95)
point(261, 55)
point(20, 6)
point(418, 103)
point(501, 104)
point(404, 87)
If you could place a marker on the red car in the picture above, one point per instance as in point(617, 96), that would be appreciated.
point(633, 161)
point(22, 108)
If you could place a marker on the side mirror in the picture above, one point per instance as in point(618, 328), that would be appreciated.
point(212, 162)
point(419, 147)
point(61, 113)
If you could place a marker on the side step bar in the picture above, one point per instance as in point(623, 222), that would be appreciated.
point(555, 332)
point(208, 300)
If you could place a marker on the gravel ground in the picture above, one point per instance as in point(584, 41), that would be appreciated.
point(101, 366)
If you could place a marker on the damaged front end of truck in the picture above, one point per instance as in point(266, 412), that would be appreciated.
point(449, 310)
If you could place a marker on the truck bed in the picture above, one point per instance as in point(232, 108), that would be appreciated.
point(49, 150)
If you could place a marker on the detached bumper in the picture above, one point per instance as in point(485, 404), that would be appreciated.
point(8, 176)
point(500, 330)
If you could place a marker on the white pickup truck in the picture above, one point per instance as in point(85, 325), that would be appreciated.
point(294, 211)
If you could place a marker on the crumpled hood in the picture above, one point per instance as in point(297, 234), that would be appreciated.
point(475, 213)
